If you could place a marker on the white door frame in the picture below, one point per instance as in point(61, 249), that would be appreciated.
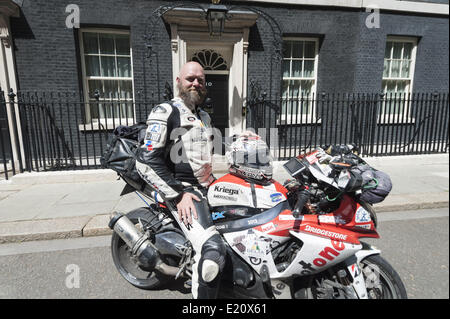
point(188, 31)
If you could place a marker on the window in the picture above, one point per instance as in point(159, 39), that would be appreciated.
point(300, 56)
point(399, 60)
point(107, 67)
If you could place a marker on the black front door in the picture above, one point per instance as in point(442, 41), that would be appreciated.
point(217, 85)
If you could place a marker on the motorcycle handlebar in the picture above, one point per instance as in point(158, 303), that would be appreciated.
point(302, 198)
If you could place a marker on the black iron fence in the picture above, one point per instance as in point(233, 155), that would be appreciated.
point(379, 124)
point(66, 131)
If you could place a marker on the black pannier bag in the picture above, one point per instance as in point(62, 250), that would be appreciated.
point(120, 152)
point(376, 185)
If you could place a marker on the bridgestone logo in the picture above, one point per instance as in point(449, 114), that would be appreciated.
point(324, 232)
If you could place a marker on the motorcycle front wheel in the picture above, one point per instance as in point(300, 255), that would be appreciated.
point(382, 281)
point(127, 264)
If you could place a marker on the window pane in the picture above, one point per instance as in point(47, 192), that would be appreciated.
point(308, 71)
point(286, 68)
point(94, 85)
point(124, 67)
point(387, 64)
point(108, 66)
point(387, 53)
point(397, 53)
point(395, 70)
point(123, 44)
point(307, 88)
point(401, 86)
point(407, 50)
point(90, 42)
point(106, 43)
point(285, 89)
point(390, 88)
point(405, 69)
point(111, 89)
point(297, 49)
point(287, 49)
point(294, 87)
point(310, 49)
point(126, 91)
point(297, 68)
point(92, 65)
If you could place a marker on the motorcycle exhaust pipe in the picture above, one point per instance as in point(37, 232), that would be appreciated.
point(140, 245)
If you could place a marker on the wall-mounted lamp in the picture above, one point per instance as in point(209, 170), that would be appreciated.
point(216, 15)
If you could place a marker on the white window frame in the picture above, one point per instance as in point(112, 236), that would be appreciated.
point(305, 118)
point(404, 116)
point(110, 123)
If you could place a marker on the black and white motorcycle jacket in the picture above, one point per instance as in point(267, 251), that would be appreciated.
point(177, 150)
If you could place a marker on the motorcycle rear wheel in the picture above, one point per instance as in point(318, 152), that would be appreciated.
point(382, 281)
point(127, 265)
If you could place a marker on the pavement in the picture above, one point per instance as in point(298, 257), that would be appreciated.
point(57, 205)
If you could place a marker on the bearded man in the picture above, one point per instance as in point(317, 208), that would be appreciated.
point(176, 159)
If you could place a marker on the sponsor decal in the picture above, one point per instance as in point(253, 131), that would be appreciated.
point(257, 249)
point(289, 217)
point(217, 215)
point(159, 109)
point(191, 119)
point(362, 216)
point(326, 255)
point(311, 158)
point(331, 219)
point(268, 227)
point(366, 226)
point(153, 136)
point(324, 232)
point(276, 197)
point(154, 128)
point(225, 190)
point(149, 145)
point(233, 199)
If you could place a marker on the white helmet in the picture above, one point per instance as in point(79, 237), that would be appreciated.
point(250, 158)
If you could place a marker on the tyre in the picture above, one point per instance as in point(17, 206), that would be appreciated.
point(382, 281)
point(127, 264)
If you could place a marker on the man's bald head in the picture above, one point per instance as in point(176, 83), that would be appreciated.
point(191, 84)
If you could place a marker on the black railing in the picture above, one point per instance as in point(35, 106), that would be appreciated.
point(380, 124)
point(65, 131)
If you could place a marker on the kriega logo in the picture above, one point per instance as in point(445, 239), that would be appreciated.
point(226, 190)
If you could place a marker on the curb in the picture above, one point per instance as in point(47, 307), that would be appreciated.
point(87, 226)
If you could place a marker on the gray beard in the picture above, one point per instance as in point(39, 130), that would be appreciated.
point(191, 98)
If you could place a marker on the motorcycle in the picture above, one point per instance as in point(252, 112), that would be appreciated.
point(305, 247)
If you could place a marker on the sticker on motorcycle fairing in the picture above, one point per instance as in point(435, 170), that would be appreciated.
point(362, 216)
point(311, 158)
point(255, 261)
point(276, 197)
point(268, 228)
point(258, 249)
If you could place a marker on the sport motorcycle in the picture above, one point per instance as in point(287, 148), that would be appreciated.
point(307, 246)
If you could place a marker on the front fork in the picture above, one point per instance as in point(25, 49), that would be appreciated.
point(356, 272)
